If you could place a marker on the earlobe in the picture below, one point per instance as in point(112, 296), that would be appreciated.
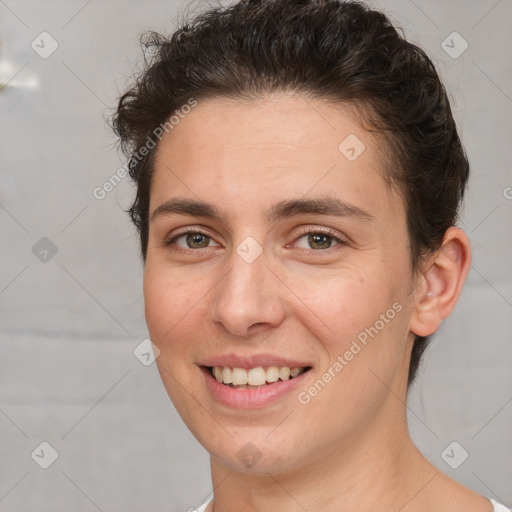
point(439, 287)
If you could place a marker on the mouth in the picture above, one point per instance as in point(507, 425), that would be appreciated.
point(254, 378)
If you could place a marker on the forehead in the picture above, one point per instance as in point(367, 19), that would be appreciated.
point(261, 151)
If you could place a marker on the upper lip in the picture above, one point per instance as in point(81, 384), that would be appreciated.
point(252, 361)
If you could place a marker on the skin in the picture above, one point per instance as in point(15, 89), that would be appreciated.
point(297, 298)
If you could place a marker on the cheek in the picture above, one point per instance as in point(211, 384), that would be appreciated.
point(340, 304)
point(175, 312)
point(166, 301)
point(359, 316)
point(165, 304)
point(158, 303)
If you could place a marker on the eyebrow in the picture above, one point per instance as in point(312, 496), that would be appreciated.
point(325, 205)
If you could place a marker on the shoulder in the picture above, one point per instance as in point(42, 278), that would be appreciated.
point(498, 507)
point(202, 507)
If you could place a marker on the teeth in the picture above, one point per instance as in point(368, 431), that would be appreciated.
point(255, 376)
point(272, 374)
point(284, 373)
point(227, 375)
point(294, 372)
point(239, 377)
point(217, 373)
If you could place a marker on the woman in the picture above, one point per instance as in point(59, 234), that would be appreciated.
point(298, 175)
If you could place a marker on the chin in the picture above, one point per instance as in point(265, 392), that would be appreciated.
point(244, 454)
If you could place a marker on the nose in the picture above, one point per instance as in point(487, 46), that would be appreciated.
point(249, 297)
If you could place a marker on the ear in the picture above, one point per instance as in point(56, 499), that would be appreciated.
point(438, 287)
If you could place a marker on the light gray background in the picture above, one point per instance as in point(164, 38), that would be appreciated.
point(69, 326)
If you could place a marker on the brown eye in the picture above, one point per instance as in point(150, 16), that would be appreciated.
point(190, 240)
point(196, 240)
point(318, 240)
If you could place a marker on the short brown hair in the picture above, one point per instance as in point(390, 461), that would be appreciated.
point(329, 49)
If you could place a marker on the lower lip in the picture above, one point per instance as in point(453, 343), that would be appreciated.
point(250, 398)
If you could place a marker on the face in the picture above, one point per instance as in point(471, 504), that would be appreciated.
point(274, 242)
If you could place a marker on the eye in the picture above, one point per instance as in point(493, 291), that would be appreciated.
point(193, 239)
point(190, 239)
point(319, 239)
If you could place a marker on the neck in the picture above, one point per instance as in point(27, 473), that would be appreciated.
point(378, 468)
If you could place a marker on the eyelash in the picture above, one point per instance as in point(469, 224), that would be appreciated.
point(332, 234)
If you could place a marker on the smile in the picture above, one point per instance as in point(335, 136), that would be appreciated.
point(254, 378)
point(253, 388)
